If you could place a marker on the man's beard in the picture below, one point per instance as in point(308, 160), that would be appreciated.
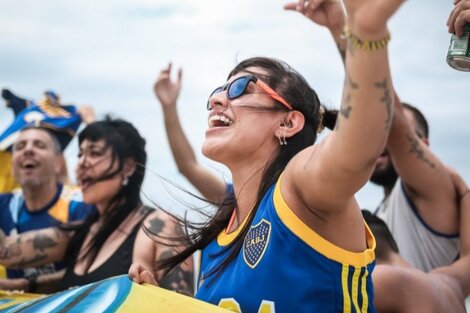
point(385, 177)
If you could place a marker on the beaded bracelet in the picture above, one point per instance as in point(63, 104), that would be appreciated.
point(367, 45)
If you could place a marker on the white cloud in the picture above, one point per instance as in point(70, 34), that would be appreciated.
point(108, 53)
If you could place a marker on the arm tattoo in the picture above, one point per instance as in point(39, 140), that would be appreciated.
point(10, 251)
point(178, 279)
point(345, 110)
point(418, 151)
point(42, 242)
point(387, 100)
point(156, 226)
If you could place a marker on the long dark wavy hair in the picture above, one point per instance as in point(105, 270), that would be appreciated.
point(125, 143)
point(296, 91)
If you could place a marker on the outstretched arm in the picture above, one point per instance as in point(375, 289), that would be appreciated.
point(459, 269)
point(425, 177)
point(342, 163)
point(209, 185)
point(33, 248)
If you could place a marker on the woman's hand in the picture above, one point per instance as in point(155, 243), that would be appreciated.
point(367, 19)
point(328, 13)
point(459, 16)
point(141, 275)
point(166, 90)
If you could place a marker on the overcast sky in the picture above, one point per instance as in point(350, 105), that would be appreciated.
point(107, 54)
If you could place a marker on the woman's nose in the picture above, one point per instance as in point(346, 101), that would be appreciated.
point(218, 100)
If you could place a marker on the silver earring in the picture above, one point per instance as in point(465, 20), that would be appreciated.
point(125, 181)
point(282, 136)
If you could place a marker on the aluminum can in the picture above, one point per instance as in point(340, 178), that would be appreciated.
point(458, 55)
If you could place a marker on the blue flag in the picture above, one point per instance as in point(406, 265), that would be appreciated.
point(62, 120)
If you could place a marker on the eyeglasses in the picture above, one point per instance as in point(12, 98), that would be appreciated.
point(237, 88)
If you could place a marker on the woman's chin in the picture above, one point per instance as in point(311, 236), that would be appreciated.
point(213, 150)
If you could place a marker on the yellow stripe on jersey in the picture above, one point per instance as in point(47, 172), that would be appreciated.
point(365, 298)
point(344, 285)
point(355, 287)
point(318, 243)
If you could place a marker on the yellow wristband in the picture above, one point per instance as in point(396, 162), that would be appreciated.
point(367, 45)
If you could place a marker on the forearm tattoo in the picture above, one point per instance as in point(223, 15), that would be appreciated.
point(416, 149)
point(345, 111)
point(10, 251)
point(178, 279)
point(386, 99)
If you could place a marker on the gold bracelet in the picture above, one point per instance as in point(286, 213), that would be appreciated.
point(367, 45)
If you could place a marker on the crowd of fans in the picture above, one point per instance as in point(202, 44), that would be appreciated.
point(288, 217)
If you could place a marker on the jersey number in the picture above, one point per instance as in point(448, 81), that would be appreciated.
point(232, 305)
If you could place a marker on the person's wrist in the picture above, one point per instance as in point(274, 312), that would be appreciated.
point(366, 31)
point(169, 106)
point(337, 29)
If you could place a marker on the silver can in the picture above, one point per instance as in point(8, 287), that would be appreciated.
point(458, 55)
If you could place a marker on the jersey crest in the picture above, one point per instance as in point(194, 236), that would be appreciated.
point(256, 242)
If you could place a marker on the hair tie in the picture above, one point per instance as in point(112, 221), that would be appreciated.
point(320, 125)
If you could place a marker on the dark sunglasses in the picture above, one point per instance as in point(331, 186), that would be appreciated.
point(237, 88)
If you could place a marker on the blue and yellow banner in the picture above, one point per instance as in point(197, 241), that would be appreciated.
point(117, 294)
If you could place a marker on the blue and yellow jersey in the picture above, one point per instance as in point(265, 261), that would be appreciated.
point(65, 207)
point(284, 266)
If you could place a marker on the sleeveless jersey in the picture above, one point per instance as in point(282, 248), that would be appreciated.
point(285, 266)
point(417, 242)
point(65, 207)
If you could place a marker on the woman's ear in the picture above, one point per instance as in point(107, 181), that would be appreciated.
point(293, 123)
point(129, 167)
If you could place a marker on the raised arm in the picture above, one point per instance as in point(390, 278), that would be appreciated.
point(342, 163)
point(212, 187)
point(157, 245)
point(459, 269)
point(33, 248)
point(426, 179)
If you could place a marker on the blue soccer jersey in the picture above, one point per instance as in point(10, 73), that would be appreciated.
point(284, 266)
point(65, 207)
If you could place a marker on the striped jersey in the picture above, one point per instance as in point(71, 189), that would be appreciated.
point(285, 266)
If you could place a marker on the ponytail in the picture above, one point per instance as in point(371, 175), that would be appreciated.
point(327, 118)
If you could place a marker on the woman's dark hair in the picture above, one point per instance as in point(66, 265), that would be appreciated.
point(423, 126)
point(296, 91)
point(125, 143)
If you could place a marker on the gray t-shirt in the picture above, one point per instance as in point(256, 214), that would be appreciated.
point(418, 243)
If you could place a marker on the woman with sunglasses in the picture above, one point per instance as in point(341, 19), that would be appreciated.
point(294, 222)
point(110, 171)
